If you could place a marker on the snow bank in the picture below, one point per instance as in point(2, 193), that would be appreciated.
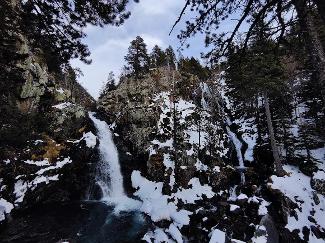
point(58, 165)
point(155, 204)
point(41, 179)
point(233, 207)
point(200, 166)
point(21, 186)
point(62, 106)
point(158, 235)
point(20, 190)
point(217, 236)
point(90, 139)
point(297, 187)
point(160, 207)
point(175, 233)
point(319, 175)
point(7, 161)
point(5, 208)
point(44, 162)
point(195, 193)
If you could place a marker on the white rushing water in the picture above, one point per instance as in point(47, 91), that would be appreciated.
point(238, 145)
point(108, 172)
point(233, 137)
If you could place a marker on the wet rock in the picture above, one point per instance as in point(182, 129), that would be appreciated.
point(318, 182)
point(184, 175)
point(156, 168)
point(221, 179)
point(308, 167)
point(272, 233)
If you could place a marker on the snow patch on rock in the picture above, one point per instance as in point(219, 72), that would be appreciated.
point(296, 186)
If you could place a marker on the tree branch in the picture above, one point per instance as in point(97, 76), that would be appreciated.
point(180, 16)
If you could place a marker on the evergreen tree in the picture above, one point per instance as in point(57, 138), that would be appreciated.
point(109, 85)
point(212, 14)
point(170, 57)
point(193, 66)
point(58, 25)
point(157, 57)
point(259, 74)
point(137, 58)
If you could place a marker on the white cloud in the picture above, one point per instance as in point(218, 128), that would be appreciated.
point(151, 41)
point(150, 19)
point(160, 7)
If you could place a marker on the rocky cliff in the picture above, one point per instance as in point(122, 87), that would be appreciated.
point(46, 138)
point(199, 167)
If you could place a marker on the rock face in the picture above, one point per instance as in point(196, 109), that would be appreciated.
point(151, 118)
point(131, 105)
point(45, 152)
point(178, 141)
point(318, 182)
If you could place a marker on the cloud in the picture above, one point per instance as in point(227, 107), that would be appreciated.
point(156, 8)
point(150, 19)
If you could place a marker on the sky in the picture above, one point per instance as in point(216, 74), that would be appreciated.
point(152, 20)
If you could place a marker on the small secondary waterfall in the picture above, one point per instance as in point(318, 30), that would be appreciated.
point(238, 145)
point(108, 172)
point(233, 137)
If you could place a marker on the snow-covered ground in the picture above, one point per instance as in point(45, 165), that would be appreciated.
point(296, 186)
point(164, 207)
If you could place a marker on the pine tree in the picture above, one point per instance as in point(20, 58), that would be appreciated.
point(259, 74)
point(109, 85)
point(137, 58)
point(58, 25)
point(157, 57)
point(170, 57)
point(210, 15)
point(193, 66)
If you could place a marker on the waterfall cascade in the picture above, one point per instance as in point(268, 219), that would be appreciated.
point(233, 137)
point(238, 145)
point(108, 174)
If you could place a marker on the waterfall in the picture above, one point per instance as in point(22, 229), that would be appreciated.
point(233, 137)
point(108, 174)
point(238, 145)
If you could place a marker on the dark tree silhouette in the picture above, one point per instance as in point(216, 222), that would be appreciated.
point(137, 58)
point(58, 25)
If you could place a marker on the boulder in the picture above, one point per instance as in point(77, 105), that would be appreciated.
point(318, 182)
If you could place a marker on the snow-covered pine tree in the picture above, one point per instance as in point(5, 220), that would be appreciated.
point(109, 85)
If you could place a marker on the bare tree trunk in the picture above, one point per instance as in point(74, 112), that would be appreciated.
point(312, 41)
point(276, 156)
point(257, 115)
point(199, 128)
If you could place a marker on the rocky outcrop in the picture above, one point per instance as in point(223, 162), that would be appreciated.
point(152, 118)
point(318, 182)
point(47, 143)
point(172, 138)
point(177, 137)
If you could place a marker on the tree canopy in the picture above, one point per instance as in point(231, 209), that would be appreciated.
point(157, 57)
point(171, 57)
point(59, 25)
point(277, 15)
point(137, 58)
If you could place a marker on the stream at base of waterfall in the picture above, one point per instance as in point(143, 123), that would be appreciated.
point(109, 217)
